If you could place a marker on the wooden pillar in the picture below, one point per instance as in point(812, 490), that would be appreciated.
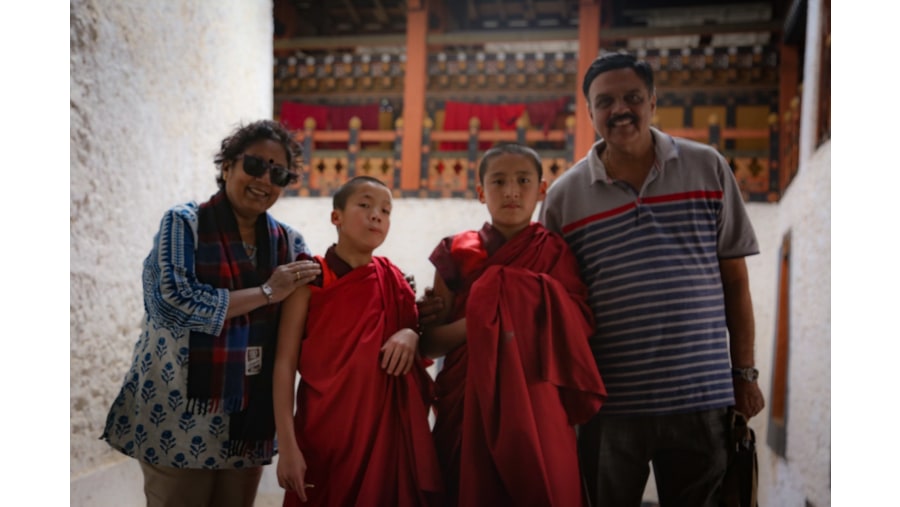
point(398, 156)
point(414, 94)
point(353, 145)
point(809, 101)
point(788, 80)
point(715, 132)
point(588, 47)
point(309, 129)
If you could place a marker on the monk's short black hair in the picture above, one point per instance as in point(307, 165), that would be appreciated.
point(509, 149)
point(613, 61)
point(339, 200)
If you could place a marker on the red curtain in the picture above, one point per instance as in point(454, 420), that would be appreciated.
point(499, 116)
point(458, 114)
point(508, 115)
point(339, 119)
point(339, 116)
point(294, 114)
point(543, 114)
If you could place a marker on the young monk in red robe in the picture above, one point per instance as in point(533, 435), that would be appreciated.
point(518, 373)
point(360, 435)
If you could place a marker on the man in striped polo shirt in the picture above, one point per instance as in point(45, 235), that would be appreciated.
point(660, 232)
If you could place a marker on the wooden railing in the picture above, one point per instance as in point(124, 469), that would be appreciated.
point(452, 173)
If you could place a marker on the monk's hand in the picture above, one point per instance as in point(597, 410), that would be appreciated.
point(399, 352)
point(291, 472)
point(429, 307)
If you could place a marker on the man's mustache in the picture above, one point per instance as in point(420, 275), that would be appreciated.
point(614, 119)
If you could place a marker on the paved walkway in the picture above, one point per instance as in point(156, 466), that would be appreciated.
point(268, 500)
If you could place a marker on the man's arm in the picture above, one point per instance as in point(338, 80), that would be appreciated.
point(742, 331)
point(438, 339)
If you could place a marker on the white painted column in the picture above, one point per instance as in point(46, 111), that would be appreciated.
point(809, 102)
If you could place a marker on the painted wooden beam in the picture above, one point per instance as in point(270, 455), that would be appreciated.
point(469, 37)
point(414, 87)
point(588, 47)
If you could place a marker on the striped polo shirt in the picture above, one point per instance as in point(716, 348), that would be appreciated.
point(650, 260)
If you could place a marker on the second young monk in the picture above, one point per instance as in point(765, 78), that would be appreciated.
point(518, 372)
point(360, 435)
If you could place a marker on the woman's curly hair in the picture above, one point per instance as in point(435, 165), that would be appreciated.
point(245, 135)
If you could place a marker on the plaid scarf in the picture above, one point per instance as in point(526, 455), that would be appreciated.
point(216, 369)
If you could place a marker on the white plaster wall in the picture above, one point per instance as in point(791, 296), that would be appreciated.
point(416, 227)
point(805, 212)
point(154, 87)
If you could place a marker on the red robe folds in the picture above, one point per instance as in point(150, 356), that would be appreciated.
point(508, 401)
point(364, 433)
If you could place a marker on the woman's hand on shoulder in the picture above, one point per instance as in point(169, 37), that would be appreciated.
point(287, 277)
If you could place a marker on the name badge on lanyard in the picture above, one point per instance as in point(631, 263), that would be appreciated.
point(253, 364)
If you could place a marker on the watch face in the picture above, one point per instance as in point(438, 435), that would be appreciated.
point(748, 374)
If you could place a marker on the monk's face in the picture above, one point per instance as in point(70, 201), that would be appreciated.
point(511, 189)
point(364, 222)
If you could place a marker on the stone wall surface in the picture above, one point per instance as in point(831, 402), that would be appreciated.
point(805, 213)
point(154, 87)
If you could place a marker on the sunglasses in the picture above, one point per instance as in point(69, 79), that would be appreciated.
point(256, 167)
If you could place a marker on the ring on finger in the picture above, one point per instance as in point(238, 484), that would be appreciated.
point(297, 276)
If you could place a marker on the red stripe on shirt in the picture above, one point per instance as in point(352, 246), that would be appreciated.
point(683, 196)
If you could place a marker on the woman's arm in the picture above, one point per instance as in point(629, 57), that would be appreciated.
point(283, 282)
point(438, 340)
point(291, 471)
point(175, 297)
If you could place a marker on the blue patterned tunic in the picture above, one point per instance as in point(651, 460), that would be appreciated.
point(148, 420)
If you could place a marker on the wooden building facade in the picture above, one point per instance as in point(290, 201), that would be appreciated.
point(413, 91)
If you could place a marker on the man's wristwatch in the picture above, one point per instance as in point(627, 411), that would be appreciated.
point(749, 374)
point(267, 291)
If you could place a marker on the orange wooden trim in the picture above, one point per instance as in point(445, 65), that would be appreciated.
point(414, 95)
point(788, 81)
point(331, 136)
point(745, 133)
point(552, 135)
point(588, 47)
point(451, 135)
point(377, 136)
point(782, 337)
point(512, 136)
point(438, 135)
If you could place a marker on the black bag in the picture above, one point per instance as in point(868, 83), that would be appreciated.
point(739, 487)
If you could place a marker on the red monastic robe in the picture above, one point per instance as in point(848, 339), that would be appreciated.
point(364, 433)
point(509, 397)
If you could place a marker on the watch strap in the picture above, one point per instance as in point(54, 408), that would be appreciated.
point(750, 374)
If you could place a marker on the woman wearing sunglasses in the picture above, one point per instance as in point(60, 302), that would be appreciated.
point(195, 409)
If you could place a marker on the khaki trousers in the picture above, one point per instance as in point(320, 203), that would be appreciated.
point(194, 487)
